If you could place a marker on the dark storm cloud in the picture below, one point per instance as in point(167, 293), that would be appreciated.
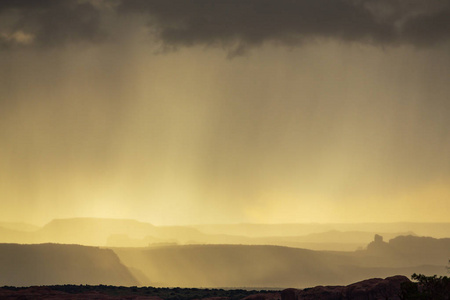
point(230, 23)
point(428, 29)
point(48, 22)
point(253, 22)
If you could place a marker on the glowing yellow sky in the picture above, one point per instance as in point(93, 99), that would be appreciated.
point(325, 132)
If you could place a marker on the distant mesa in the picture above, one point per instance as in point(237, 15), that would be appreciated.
point(19, 226)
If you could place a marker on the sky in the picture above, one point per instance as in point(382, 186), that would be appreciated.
point(210, 111)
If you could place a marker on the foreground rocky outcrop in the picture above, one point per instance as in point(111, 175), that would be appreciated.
point(47, 293)
point(108, 292)
point(371, 289)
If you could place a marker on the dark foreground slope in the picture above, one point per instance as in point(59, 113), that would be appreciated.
point(101, 292)
point(44, 264)
point(390, 288)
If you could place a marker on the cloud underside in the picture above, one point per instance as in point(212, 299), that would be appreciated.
point(233, 23)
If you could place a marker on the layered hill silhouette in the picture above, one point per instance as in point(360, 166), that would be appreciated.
point(132, 233)
point(8, 235)
point(138, 253)
point(257, 266)
point(19, 226)
point(275, 266)
point(97, 232)
point(437, 230)
point(46, 264)
point(407, 250)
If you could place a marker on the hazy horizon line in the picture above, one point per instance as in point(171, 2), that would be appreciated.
point(215, 224)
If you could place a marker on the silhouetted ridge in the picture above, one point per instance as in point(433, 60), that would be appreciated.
point(276, 266)
point(407, 250)
point(45, 264)
point(98, 231)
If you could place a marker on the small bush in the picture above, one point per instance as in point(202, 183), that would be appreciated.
point(427, 288)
